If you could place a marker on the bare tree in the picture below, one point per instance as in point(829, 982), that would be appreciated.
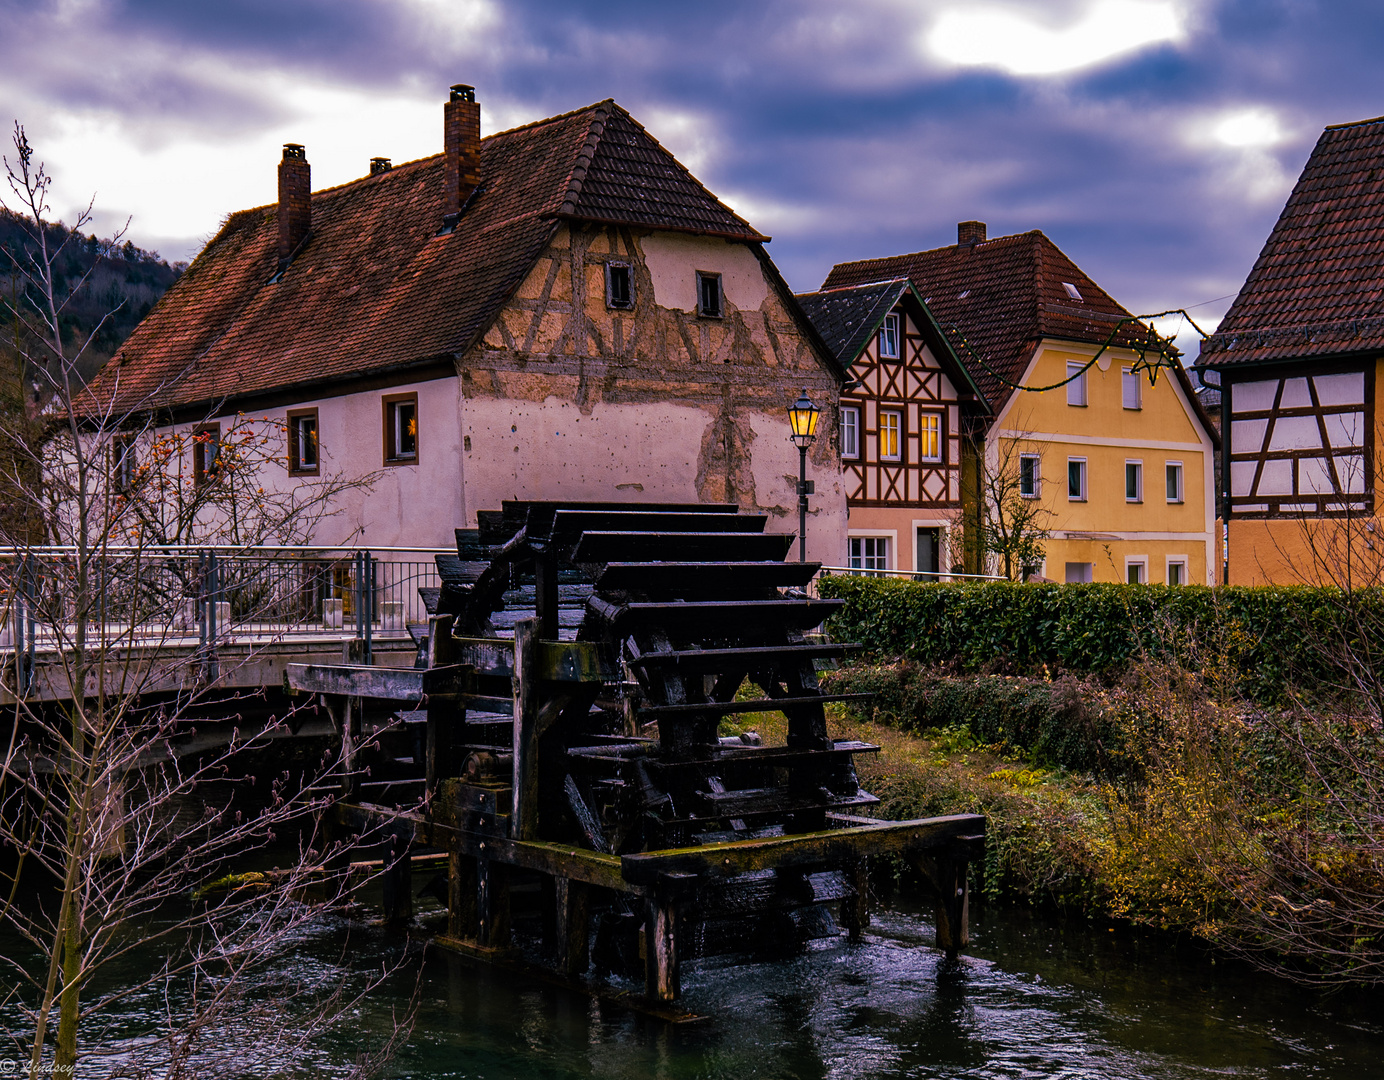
point(112, 808)
point(1015, 526)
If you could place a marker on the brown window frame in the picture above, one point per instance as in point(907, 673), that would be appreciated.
point(389, 403)
point(201, 475)
point(702, 310)
point(612, 301)
point(295, 464)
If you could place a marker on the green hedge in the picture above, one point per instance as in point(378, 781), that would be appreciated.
point(1271, 637)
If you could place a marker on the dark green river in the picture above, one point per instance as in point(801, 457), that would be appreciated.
point(1037, 996)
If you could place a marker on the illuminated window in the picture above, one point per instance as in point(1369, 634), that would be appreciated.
point(401, 429)
point(890, 427)
point(850, 431)
point(302, 441)
point(930, 436)
point(889, 338)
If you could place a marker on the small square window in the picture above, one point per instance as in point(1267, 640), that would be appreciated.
point(709, 302)
point(869, 553)
point(401, 429)
point(124, 463)
point(1071, 290)
point(1076, 479)
point(206, 453)
point(1028, 475)
point(1131, 389)
point(850, 431)
point(1177, 571)
point(302, 441)
point(889, 337)
point(1137, 571)
point(619, 286)
point(930, 436)
point(1076, 386)
point(1080, 573)
point(890, 434)
point(1134, 481)
point(1173, 469)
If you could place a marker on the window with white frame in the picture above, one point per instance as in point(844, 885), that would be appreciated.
point(850, 431)
point(1131, 389)
point(1177, 570)
point(1134, 481)
point(1029, 477)
point(1137, 571)
point(1080, 573)
point(1173, 477)
point(890, 434)
point(889, 337)
point(869, 553)
point(930, 436)
point(1076, 385)
point(1076, 479)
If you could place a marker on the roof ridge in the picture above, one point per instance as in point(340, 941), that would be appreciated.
point(583, 160)
point(1354, 123)
point(862, 285)
point(552, 119)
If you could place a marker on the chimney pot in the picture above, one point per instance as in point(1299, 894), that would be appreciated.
point(970, 232)
point(380, 165)
point(461, 141)
point(295, 201)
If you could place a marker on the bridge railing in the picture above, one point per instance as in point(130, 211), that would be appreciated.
point(204, 596)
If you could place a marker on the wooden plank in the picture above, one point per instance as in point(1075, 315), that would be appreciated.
point(569, 524)
point(572, 925)
point(705, 578)
point(489, 656)
point(829, 846)
point(728, 615)
point(527, 702)
point(730, 708)
point(604, 547)
point(380, 683)
point(727, 756)
point(576, 661)
point(758, 658)
point(442, 716)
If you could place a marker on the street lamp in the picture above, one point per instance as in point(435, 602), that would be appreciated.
point(802, 417)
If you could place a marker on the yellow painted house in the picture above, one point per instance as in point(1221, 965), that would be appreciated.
point(1122, 468)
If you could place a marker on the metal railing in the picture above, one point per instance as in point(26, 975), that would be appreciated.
point(205, 596)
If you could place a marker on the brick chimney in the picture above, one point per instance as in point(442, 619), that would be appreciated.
point(295, 201)
point(461, 140)
point(970, 232)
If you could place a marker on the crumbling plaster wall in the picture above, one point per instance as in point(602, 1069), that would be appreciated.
point(567, 398)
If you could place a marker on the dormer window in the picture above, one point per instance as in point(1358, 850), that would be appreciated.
point(889, 337)
point(619, 286)
point(709, 295)
point(1072, 290)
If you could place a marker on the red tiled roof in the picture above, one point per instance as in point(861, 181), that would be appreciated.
point(375, 288)
point(996, 299)
point(1317, 288)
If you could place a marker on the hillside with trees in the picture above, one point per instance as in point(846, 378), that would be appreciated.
point(118, 280)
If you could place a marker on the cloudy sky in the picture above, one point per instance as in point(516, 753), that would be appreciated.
point(1153, 140)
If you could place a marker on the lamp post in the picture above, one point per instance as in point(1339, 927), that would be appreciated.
point(802, 417)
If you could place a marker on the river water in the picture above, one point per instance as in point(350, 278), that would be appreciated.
point(1036, 996)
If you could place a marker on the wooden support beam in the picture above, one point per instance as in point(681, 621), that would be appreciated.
point(444, 716)
point(735, 857)
point(346, 713)
point(463, 886)
point(946, 872)
point(855, 909)
point(572, 925)
point(662, 970)
point(527, 704)
point(492, 903)
point(381, 683)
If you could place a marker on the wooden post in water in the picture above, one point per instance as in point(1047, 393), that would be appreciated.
point(398, 880)
point(947, 875)
point(572, 930)
point(463, 914)
point(855, 909)
point(492, 903)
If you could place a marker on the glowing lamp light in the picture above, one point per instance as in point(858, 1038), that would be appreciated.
point(802, 418)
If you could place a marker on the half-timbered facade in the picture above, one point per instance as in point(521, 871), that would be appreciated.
point(900, 422)
point(1121, 467)
point(1298, 358)
point(558, 311)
